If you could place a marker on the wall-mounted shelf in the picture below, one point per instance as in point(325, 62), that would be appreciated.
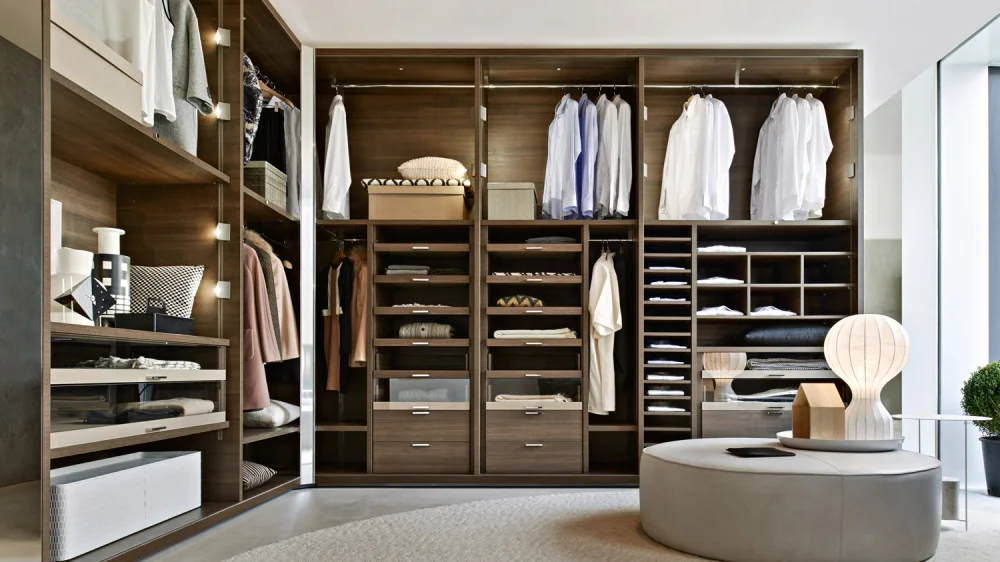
point(253, 435)
point(125, 376)
point(421, 311)
point(414, 343)
point(257, 210)
point(82, 332)
point(68, 439)
point(528, 342)
point(421, 279)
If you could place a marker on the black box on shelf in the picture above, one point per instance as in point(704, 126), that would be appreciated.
point(155, 322)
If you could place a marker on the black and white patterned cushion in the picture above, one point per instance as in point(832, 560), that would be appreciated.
point(176, 285)
point(255, 474)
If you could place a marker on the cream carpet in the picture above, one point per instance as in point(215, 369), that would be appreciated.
point(596, 526)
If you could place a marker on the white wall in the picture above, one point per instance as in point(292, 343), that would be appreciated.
point(919, 219)
point(964, 239)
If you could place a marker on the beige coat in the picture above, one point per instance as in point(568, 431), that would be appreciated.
point(359, 305)
point(287, 327)
point(259, 346)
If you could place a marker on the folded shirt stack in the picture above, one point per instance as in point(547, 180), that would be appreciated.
point(531, 398)
point(665, 268)
point(719, 311)
point(720, 281)
point(139, 363)
point(664, 409)
point(776, 395)
point(659, 392)
point(666, 345)
point(131, 412)
point(669, 283)
point(560, 333)
point(723, 249)
point(667, 299)
point(663, 362)
point(551, 240)
point(771, 311)
point(408, 270)
point(416, 395)
point(664, 377)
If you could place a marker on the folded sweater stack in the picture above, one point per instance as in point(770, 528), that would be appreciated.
point(408, 270)
point(561, 333)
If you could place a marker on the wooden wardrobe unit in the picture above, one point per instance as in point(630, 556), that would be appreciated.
point(491, 109)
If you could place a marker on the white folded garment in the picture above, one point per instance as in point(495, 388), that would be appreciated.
point(666, 268)
point(720, 281)
point(664, 409)
point(662, 377)
point(561, 333)
point(658, 345)
point(189, 406)
point(669, 283)
point(663, 362)
point(771, 311)
point(657, 392)
point(724, 249)
point(531, 397)
point(667, 299)
point(719, 311)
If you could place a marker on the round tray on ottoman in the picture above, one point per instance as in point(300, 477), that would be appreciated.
point(816, 506)
point(840, 445)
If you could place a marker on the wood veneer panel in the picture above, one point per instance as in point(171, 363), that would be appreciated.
point(271, 45)
point(722, 68)
point(88, 201)
point(842, 191)
point(394, 70)
point(562, 68)
point(420, 426)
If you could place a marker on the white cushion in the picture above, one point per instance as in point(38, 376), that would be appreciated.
point(276, 414)
point(432, 167)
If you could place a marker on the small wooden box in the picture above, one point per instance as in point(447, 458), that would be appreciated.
point(818, 412)
point(267, 181)
point(511, 201)
point(405, 202)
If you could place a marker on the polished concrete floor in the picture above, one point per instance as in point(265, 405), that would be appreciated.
point(302, 511)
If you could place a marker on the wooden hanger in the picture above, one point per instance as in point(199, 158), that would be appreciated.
point(270, 92)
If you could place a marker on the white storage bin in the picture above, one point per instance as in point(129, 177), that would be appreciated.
point(97, 503)
point(84, 59)
point(510, 201)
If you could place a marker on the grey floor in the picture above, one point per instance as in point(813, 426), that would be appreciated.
point(302, 511)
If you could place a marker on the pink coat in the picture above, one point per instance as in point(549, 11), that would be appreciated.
point(259, 346)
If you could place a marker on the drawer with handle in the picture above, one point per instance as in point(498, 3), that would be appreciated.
point(421, 457)
point(421, 425)
point(534, 457)
point(534, 424)
point(746, 423)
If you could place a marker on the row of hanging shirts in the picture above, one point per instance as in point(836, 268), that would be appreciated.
point(789, 173)
point(588, 172)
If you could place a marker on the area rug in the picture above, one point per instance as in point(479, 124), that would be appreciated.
point(597, 526)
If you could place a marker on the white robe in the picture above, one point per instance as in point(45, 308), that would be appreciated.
point(605, 320)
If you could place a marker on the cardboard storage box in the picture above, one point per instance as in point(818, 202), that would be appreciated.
point(510, 201)
point(398, 202)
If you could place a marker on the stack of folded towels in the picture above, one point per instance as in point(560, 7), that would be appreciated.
point(408, 270)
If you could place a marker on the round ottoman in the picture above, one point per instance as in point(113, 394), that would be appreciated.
point(815, 506)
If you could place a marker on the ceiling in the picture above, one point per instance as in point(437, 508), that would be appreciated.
point(900, 38)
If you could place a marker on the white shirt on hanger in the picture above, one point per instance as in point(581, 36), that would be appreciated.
point(588, 156)
point(337, 166)
point(818, 152)
point(803, 138)
point(722, 147)
point(775, 185)
point(129, 25)
point(606, 319)
point(623, 187)
point(608, 151)
point(559, 195)
point(162, 65)
point(682, 167)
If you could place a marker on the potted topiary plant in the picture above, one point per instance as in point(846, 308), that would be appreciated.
point(981, 397)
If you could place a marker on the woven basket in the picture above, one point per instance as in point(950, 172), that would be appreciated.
point(432, 167)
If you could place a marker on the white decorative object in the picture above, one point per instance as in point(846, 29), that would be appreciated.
point(840, 445)
point(109, 240)
point(721, 362)
point(112, 269)
point(867, 351)
point(432, 167)
point(71, 267)
point(96, 503)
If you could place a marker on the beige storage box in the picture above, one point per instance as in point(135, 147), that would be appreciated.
point(267, 181)
point(405, 202)
point(82, 58)
point(511, 201)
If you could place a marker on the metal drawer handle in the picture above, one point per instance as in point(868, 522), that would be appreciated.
point(421, 413)
point(773, 413)
point(532, 413)
point(533, 445)
point(775, 375)
point(532, 407)
point(421, 247)
point(534, 248)
point(534, 343)
point(421, 312)
point(420, 343)
point(532, 280)
point(420, 279)
point(158, 428)
point(420, 375)
point(532, 374)
point(534, 312)
point(156, 378)
point(420, 407)
point(420, 445)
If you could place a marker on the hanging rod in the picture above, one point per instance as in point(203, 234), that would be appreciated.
point(746, 86)
point(612, 240)
point(485, 86)
point(362, 86)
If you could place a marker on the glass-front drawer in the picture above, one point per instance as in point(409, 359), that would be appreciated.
point(514, 391)
point(429, 390)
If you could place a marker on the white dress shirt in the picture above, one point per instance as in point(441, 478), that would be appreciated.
point(818, 152)
point(608, 151)
point(720, 145)
point(623, 187)
point(680, 193)
point(606, 319)
point(337, 166)
point(559, 197)
point(775, 187)
point(588, 156)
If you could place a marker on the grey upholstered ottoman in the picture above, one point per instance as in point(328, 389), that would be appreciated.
point(815, 506)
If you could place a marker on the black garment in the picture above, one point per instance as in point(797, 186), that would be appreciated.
point(625, 338)
point(253, 101)
point(269, 144)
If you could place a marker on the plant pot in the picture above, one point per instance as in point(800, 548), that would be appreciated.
point(991, 460)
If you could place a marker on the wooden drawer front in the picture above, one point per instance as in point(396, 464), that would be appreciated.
point(745, 424)
point(534, 457)
point(514, 425)
point(421, 457)
point(427, 425)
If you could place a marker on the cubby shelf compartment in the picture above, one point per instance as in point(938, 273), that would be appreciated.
point(91, 134)
point(253, 435)
point(127, 376)
point(257, 210)
point(67, 442)
point(77, 331)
